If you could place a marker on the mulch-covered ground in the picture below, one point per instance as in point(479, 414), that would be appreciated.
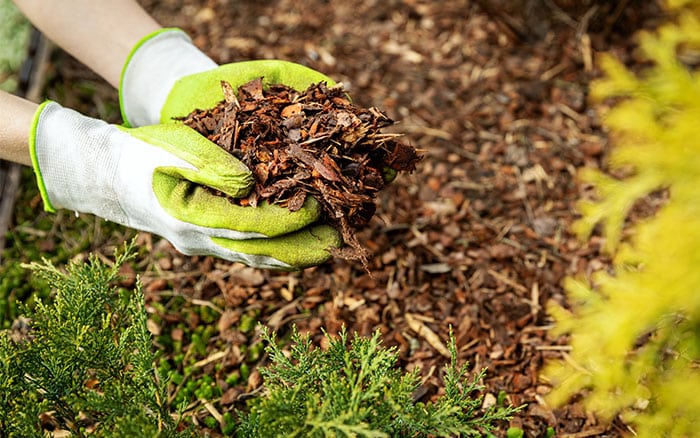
point(476, 239)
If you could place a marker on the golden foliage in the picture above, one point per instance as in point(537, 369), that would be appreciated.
point(635, 333)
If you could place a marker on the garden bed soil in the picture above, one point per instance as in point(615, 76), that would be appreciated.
point(476, 240)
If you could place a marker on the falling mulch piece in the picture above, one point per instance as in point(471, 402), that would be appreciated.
point(311, 143)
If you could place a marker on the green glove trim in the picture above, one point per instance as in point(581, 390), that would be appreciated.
point(203, 90)
point(308, 247)
point(35, 161)
point(138, 45)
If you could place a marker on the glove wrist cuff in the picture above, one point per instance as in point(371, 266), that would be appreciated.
point(152, 68)
point(48, 205)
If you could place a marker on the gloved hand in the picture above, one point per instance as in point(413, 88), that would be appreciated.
point(151, 179)
point(166, 76)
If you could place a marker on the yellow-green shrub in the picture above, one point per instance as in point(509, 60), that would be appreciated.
point(635, 332)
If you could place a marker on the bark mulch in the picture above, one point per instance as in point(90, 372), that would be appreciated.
point(311, 142)
point(477, 238)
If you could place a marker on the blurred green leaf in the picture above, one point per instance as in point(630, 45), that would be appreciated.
point(14, 34)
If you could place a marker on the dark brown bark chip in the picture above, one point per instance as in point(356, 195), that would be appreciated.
point(314, 142)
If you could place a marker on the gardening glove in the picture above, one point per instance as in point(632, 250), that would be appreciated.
point(152, 179)
point(166, 77)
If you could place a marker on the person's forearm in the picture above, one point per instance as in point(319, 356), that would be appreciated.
point(16, 115)
point(99, 33)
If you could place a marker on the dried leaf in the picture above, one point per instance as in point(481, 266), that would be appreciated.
point(430, 336)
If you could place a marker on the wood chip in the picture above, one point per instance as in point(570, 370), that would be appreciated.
point(424, 331)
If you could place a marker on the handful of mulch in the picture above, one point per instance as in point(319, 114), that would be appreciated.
point(311, 143)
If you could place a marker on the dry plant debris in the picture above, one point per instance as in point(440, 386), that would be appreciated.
point(310, 143)
point(476, 238)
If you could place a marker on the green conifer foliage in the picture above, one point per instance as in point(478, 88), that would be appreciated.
point(355, 389)
point(635, 332)
point(86, 363)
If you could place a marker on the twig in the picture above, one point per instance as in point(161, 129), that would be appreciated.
point(612, 18)
point(430, 336)
point(212, 410)
point(561, 15)
point(508, 281)
point(212, 358)
point(508, 24)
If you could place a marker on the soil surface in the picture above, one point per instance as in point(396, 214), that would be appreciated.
point(477, 238)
